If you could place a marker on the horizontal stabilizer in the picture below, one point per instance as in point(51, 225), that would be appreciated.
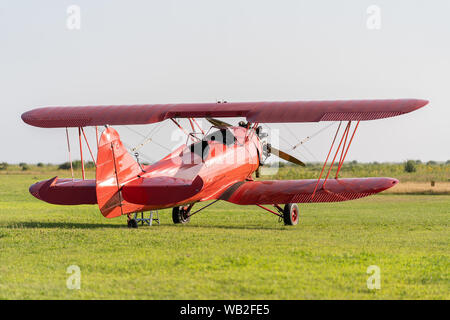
point(160, 190)
point(65, 191)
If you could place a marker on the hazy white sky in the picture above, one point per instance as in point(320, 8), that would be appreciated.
point(129, 52)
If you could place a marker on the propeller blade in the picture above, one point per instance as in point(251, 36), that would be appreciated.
point(218, 123)
point(285, 156)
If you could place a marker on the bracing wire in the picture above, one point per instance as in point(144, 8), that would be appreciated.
point(313, 135)
point(287, 142)
point(147, 138)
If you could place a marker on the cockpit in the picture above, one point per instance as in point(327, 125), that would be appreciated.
point(224, 136)
point(202, 147)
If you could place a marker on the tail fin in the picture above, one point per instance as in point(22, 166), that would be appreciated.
point(115, 166)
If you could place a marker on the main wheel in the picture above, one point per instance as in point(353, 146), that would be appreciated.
point(132, 223)
point(291, 214)
point(180, 215)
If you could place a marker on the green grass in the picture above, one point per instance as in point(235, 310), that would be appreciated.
point(226, 252)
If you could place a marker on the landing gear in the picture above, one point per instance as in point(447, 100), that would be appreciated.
point(181, 214)
point(132, 223)
point(291, 214)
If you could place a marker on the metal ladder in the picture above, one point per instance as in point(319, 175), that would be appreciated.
point(149, 220)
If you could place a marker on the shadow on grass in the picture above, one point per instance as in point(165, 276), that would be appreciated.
point(232, 227)
point(75, 225)
point(62, 225)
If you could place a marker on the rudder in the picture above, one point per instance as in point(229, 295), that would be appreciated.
point(115, 166)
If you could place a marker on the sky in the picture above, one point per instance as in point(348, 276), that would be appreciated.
point(143, 52)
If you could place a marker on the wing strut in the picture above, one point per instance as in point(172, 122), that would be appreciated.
point(201, 130)
point(68, 148)
point(81, 153)
point(341, 162)
point(337, 151)
point(326, 160)
point(342, 157)
point(191, 136)
point(89, 147)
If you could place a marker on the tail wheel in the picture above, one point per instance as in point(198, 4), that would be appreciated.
point(291, 214)
point(180, 215)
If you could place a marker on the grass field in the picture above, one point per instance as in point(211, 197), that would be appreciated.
point(226, 252)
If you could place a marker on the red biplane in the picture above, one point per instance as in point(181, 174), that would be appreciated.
point(214, 165)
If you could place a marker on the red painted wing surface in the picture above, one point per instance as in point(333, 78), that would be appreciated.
point(265, 112)
point(300, 191)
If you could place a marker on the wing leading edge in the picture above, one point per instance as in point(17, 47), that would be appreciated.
point(265, 112)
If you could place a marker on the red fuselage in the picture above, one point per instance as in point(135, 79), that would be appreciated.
point(197, 172)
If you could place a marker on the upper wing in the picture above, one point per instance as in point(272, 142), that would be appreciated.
point(301, 191)
point(266, 112)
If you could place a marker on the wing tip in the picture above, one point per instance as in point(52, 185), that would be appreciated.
point(420, 103)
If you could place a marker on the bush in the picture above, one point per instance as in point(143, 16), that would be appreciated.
point(40, 164)
point(25, 167)
point(76, 165)
point(64, 166)
point(3, 166)
point(89, 164)
point(410, 166)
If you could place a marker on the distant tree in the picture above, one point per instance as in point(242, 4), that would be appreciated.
point(22, 164)
point(25, 167)
point(64, 166)
point(410, 166)
point(3, 166)
point(40, 164)
point(431, 163)
point(418, 161)
point(447, 162)
point(89, 164)
point(76, 165)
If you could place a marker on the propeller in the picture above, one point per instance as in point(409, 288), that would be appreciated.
point(218, 123)
point(283, 155)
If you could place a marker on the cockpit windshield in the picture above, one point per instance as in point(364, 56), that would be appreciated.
point(224, 136)
point(201, 148)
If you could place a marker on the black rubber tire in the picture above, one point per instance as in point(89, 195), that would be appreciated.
point(132, 223)
point(291, 214)
point(179, 215)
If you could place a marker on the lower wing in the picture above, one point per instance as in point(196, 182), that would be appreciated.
point(304, 191)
